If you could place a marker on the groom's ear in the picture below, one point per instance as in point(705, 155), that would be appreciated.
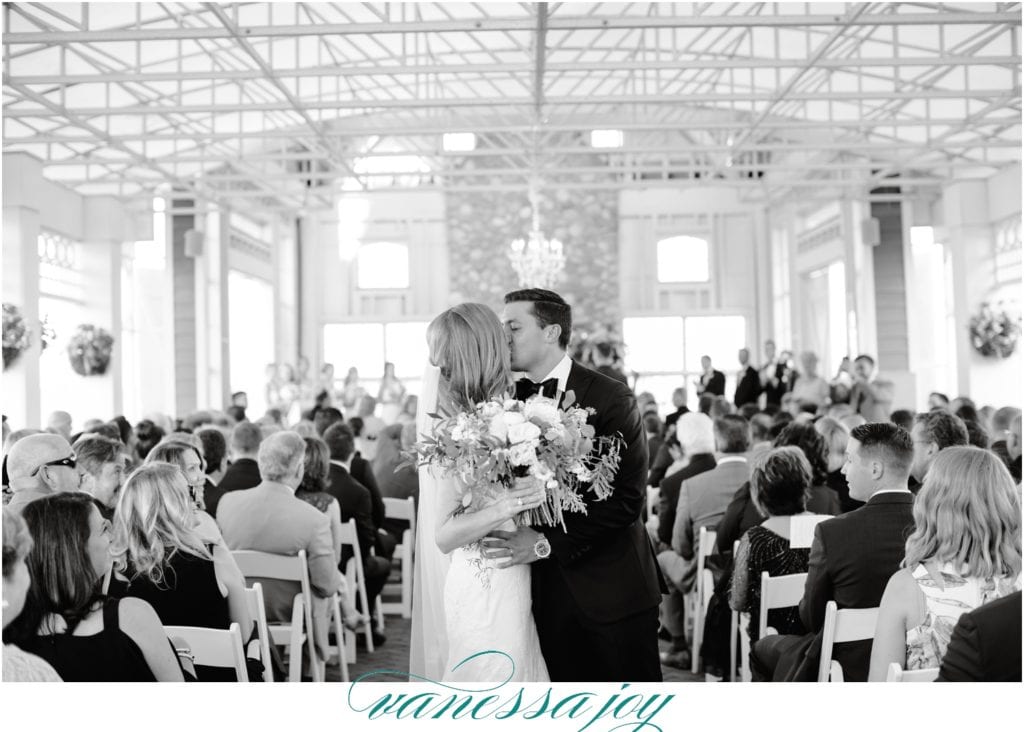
point(552, 333)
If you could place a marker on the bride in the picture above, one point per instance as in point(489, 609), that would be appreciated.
point(483, 609)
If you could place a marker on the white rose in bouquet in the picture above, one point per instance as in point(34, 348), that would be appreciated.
point(523, 432)
point(513, 418)
point(523, 453)
point(498, 428)
point(543, 412)
point(490, 410)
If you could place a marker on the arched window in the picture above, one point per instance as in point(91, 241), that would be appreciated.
point(683, 259)
point(383, 266)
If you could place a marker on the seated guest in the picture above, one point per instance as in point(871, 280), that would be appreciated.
point(315, 478)
point(938, 400)
point(977, 435)
point(41, 465)
point(1013, 448)
point(780, 484)
point(66, 620)
point(679, 402)
point(147, 436)
point(985, 645)
point(653, 428)
point(326, 417)
point(402, 483)
point(836, 437)
point(1002, 427)
point(409, 407)
point(59, 423)
point(760, 426)
point(697, 501)
point(695, 433)
point(853, 555)
point(356, 503)
point(933, 431)
point(188, 459)
point(904, 418)
point(366, 431)
point(101, 462)
point(822, 499)
point(389, 453)
point(186, 580)
point(965, 551)
point(215, 460)
point(267, 518)
point(243, 471)
point(18, 665)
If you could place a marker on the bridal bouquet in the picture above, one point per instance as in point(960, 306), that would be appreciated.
point(499, 441)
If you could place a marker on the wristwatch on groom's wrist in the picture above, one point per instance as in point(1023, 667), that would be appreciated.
point(542, 549)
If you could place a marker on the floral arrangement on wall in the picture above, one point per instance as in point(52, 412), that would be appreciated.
point(17, 334)
point(90, 349)
point(995, 330)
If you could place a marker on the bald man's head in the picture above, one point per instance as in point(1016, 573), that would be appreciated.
point(59, 423)
point(42, 462)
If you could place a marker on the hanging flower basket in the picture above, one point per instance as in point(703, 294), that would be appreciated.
point(16, 334)
point(89, 350)
point(995, 331)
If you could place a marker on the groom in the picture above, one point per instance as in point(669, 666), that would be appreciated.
point(596, 587)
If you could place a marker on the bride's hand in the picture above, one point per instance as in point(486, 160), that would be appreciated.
point(525, 494)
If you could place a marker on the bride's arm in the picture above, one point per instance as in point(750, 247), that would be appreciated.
point(458, 530)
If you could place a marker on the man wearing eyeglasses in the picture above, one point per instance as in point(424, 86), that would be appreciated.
point(40, 465)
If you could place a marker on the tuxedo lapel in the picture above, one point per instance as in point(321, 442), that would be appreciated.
point(578, 383)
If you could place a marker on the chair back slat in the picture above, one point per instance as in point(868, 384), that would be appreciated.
point(254, 601)
point(213, 647)
point(843, 626)
point(783, 591)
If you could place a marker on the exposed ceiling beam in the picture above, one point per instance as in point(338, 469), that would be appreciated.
point(478, 25)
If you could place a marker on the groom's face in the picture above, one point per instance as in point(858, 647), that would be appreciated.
point(526, 339)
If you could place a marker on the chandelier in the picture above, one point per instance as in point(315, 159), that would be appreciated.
point(537, 260)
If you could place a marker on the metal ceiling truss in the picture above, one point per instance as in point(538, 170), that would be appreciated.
point(272, 107)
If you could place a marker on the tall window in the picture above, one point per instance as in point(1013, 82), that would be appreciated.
point(666, 351)
point(383, 266)
point(682, 259)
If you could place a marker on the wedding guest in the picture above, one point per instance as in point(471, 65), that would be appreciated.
point(409, 406)
point(351, 391)
point(166, 562)
point(976, 434)
point(66, 620)
point(315, 478)
point(59, 423)
point(822, 499)
point(748, 383)
point(1002, 427)
point(932, 432)
point(985, 645)
point(808, 387)
point(904, 418)
point(148, 436)
point(965, 551)
point(390, 394)
point(243, 471)
point(836, 437)
point(604, 360)
point(101, 462)
point(189, 461)
point(653, 429)
point(938, 400)
point(780, 484)
point(402, 483)
point(710, 381)
point(771, 373)
point(215, 459)
point(871, 395)
point(41, 465)
point(18, 665)
point(1013, 448)
point(679, 402)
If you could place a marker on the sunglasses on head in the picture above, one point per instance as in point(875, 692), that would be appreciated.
point(68, 462)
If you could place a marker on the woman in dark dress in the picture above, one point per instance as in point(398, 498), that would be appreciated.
point(157, 549)
point(780, 483)
point(66, 621)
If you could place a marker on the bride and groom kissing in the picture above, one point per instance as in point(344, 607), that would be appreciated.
point(493, 602)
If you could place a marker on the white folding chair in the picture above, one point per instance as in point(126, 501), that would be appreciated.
point(743, 628)
point(341, 638)
point(213, 647)
point(843, 626)
point(254, 601)
point(703, 586)
point(783, 591)
point(264, 565)
point(403, 509)
point(898, 674)
point(734, 623)
point(357, 579)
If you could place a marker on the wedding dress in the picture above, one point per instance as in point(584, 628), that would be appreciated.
point(471, 620)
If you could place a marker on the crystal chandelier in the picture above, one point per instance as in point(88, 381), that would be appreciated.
point(537, 260)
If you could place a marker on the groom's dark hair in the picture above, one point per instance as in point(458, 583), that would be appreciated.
point(549, 308)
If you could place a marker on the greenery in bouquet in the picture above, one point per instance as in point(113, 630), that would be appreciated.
point(16, 334)
point(994, 331)
point(89, 350)
point(498, 441)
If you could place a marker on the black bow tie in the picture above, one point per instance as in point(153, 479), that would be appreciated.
point(526, 388)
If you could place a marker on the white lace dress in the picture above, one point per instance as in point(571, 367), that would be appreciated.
point(491, 633)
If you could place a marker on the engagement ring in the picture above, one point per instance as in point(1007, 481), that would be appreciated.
point(519, 501)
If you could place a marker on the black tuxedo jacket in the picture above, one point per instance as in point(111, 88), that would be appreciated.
point(852, 558)
point(986, 643)
point(749, 387)
point(242, 474)
point(668, 499)
point(354, 501)
point(362, 471)
point(715, 385)
point(605, 557)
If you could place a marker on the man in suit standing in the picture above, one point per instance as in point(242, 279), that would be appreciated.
point(871, 395)
point(748, 382)
point(711, 381)
point(596, 586)
point(985, 645)
point(355, 503)
point(852, 555)
point(268, 518)
point(244, 471)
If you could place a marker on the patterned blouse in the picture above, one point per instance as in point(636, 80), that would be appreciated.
point(926, 644)
point(766, 551)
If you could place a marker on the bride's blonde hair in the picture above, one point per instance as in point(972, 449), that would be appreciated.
point(469, 345)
